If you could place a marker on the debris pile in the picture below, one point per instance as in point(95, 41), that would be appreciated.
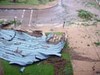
point(21, 48)
point(54, 38)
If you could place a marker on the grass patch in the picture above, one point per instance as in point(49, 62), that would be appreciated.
point(40, 68)
point(10, 21)
point(34, 69)
point(93, 4)
point(68, 67)
point(86, 15)
point(10, 69)
point(24, 2)
point(1, 21)
point(58, 33)
point(97, 43)
point(66, 55)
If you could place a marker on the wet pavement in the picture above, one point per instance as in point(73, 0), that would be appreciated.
point(10, 14)
point(33, 17)
point(56, 15)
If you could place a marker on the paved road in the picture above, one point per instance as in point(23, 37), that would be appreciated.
point(54, 15)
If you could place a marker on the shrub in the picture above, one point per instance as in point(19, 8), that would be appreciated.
point(85, 14)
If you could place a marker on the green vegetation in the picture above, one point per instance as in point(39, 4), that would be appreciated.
point(1, 21)
point(88, 18)
point(34, 69)
point(68, 67)
point(66, 56)
point(44, 1)
point(85, 14)
point(40, 68)
point(97, 43)
point(24, 2)
point(58, 33)
point(97, 19)
point(93, 4)
point(10, 22)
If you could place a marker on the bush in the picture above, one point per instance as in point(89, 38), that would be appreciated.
point(85, 14)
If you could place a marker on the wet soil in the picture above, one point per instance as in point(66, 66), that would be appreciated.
point(1, 70)
point(59, 65)
point(76, 56)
